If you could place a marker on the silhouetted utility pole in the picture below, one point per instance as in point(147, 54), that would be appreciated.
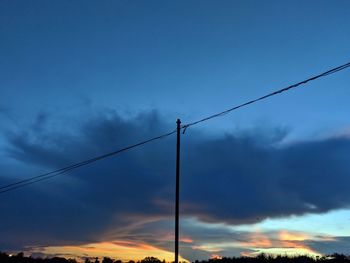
point(178, 122)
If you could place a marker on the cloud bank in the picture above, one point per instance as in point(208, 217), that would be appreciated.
point(234, 178)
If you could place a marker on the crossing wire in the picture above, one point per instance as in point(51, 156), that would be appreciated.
point(216, 115)
point(66, 169)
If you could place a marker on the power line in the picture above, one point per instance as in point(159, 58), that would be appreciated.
point(66, 169)
point(216, 115)
point(15, 186)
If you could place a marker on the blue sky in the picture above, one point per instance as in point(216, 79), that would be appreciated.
point(99, 75)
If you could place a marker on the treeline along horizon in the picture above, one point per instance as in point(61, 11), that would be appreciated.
point(261, 258)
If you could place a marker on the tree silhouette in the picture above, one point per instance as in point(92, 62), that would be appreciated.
point(150, 260)
point(107, 260)
point(262, 258)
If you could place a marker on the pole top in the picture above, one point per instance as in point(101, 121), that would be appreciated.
point(178, 121)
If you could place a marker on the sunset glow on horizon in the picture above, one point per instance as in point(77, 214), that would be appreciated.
point(122, 250)
point(283, 243)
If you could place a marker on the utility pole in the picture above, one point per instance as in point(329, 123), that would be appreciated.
point(178, 129)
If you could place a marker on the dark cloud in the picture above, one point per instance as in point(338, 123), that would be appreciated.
point(82, 206)
point(234, 178)
point(238, 180)
point(337, 245)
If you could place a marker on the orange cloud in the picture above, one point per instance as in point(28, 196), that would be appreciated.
point(290, 243)
point(124, 250)
point(257, 239)
point(186, 240)
point(294, 242)
point(215, 256)
point(292, 236)
point(208, 247)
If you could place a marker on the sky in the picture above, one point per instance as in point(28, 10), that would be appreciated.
point(82, 78)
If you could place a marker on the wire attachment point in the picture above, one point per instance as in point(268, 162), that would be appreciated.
point(185, 128)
